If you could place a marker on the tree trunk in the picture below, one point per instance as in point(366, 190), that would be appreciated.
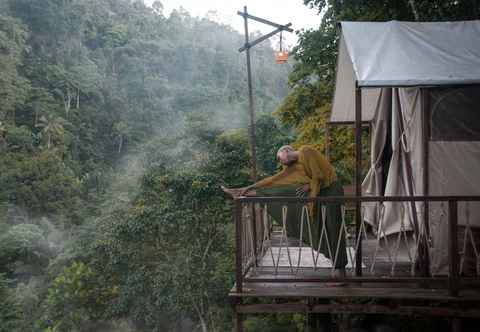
point(67, 101)
point(413, 6)
point(120, 144)
point(203, 325)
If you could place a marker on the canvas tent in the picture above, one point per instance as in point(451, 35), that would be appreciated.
point(420, 92)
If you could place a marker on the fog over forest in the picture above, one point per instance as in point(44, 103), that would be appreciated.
point(118, 125)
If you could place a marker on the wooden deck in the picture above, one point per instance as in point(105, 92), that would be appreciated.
point(279, 277)
point(300, 280)
point(299, 262)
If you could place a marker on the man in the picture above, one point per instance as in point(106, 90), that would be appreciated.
point(305, 171)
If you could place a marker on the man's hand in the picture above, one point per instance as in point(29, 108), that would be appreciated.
point(246, 190)
point(302, 191)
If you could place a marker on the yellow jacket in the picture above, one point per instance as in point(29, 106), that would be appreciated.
point(311, 168)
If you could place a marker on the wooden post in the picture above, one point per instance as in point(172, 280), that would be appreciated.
point(248, 45)
point(238, 247)
point(238, 322)
point(453, 247)
point(358, 176)
point(254, 234)
point(456, 325)
point(253, 135)
point(327, 141)
point(426, 175)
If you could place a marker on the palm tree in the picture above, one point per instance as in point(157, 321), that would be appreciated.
point(52, 128)
point(3, 132)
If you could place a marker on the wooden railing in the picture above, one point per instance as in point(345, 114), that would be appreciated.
point(266, 252)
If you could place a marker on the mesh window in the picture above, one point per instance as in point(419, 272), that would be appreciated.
point(455, 114)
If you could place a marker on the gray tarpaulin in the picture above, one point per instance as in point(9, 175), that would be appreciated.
point(414, 53)
point(390, 61)
point(396, 54)
point(344, 99)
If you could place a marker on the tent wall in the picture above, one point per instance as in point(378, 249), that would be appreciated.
point(390, 61)
point(454, 162)
point(452, 165)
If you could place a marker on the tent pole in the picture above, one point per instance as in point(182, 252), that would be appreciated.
point(358, 176)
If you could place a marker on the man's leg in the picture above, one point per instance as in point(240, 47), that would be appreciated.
point(293, 211)
point(336, 236)
point(333, 224)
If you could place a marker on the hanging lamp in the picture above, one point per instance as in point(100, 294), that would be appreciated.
point(282, 55)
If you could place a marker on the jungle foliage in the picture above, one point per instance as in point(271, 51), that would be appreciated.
point(117, 127)
point(118, 124)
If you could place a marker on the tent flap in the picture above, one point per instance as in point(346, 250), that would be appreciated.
point(343, 109)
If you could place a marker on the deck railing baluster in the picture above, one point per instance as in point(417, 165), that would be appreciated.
point(254, 238)
point(238, 243)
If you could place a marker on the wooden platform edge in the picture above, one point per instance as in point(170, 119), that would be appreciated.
point(347, 292)
point(357, 309)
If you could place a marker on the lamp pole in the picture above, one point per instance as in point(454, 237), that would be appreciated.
point(248, 45)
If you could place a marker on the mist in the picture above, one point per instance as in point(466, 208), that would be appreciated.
point(117, 129)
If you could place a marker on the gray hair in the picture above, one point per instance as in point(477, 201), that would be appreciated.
point(285, 148)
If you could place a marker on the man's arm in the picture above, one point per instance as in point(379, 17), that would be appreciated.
point(270, 181)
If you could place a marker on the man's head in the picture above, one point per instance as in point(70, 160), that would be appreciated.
point(286, 155)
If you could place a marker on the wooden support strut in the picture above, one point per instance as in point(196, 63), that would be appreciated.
point(248, 45)
point(426, 176)
point(403, 310)
point(238, 248)
point(253, 139)
point(358, 177)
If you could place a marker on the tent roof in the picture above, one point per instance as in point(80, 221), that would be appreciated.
point(414, 53)
point(393, 54)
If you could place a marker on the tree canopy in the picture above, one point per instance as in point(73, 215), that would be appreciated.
point(118, 125)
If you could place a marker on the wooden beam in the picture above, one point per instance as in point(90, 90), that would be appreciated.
point(438, 281)
point(268, 308)
point(249, 45)
point(403, 310)
point(347, 123)
point(253, 135)
point(239, 322)
point(358, 177)
point(331, 199)
point(327, 141)
point(238, 246)
point(264, 21)
point(426, 174)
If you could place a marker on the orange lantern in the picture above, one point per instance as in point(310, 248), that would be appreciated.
point(281, 56)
